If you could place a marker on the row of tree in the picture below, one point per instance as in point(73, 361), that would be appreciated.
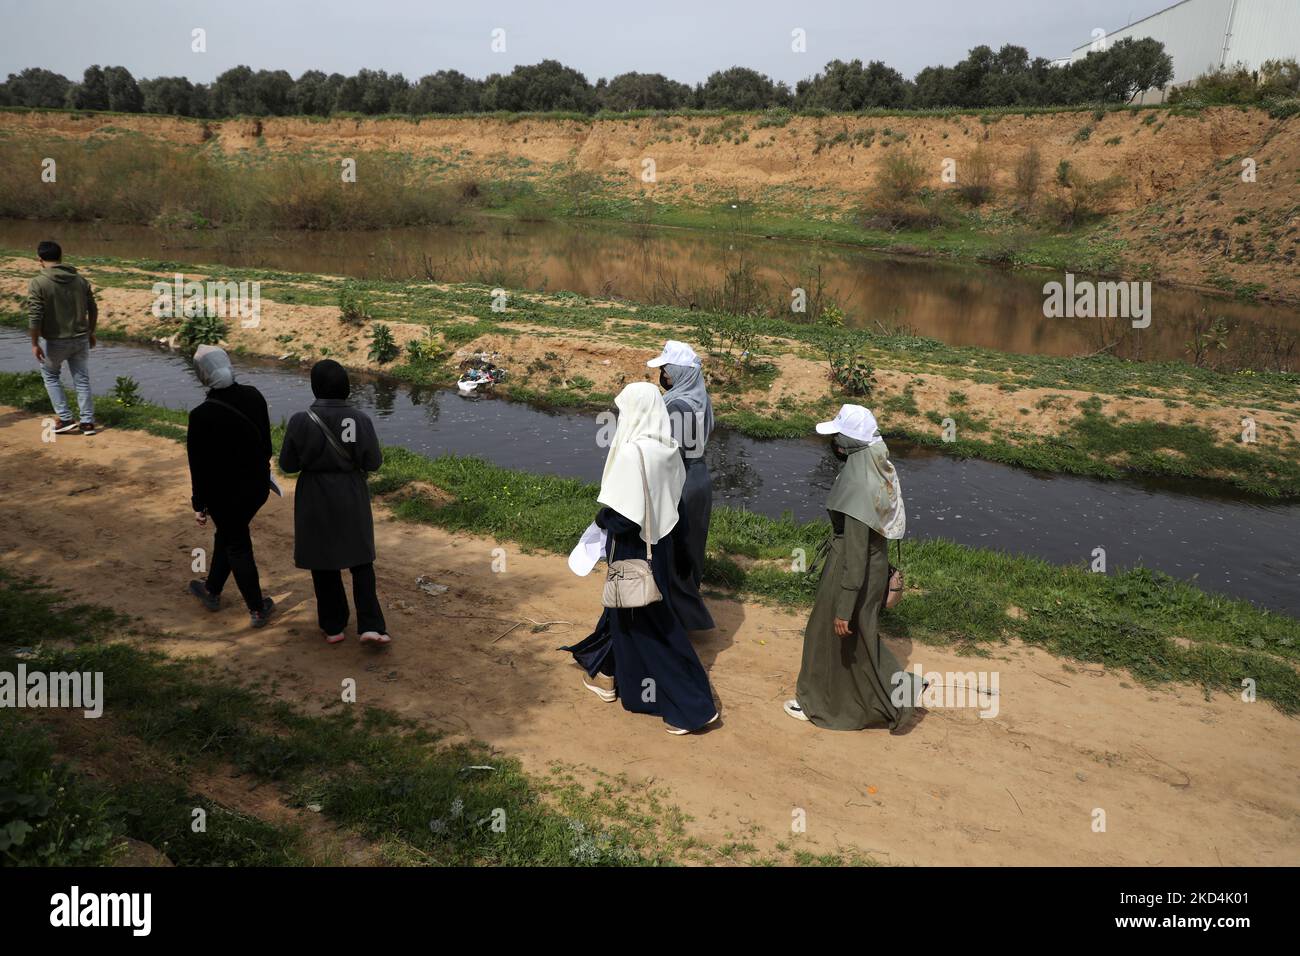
point(1007, 77)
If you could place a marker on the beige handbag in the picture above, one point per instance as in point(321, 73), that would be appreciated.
point(631, 582)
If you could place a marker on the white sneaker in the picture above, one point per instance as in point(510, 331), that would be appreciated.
point(794, 710)
point(602, 686)
point(678, 732)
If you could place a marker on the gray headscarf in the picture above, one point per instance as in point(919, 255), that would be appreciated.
point(688, 387)
point(213, 367)
point(867, 488)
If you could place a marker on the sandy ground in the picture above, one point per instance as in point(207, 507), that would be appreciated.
point(1182, 779)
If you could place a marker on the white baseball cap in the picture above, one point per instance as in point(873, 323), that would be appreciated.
point(853, 421)
point(675, 353)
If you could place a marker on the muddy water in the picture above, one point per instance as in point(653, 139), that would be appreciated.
point(1226, 543)
point(960, 304)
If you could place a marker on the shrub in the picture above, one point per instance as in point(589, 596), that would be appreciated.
point(849, 369)
point(830, 316)
point(975, 179)
point(354, 307)
point(900, 177)
point(202, 330)
point(899, 199)
point(383, 348)
point(1082, 198)
point(1028, 176)
point(1284, 109)
point(424, 349)
point(126, 391)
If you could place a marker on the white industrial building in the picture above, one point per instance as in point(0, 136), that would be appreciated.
point(1204, 35)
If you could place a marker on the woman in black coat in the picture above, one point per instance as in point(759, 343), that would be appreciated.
point(333, 445)
point(229, 447)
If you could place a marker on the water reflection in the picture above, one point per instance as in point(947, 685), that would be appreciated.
point(961, 304)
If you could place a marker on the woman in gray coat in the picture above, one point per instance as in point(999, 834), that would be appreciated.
point(333, 445)
point(691, 414)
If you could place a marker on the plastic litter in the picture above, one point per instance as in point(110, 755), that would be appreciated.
point(479, 372)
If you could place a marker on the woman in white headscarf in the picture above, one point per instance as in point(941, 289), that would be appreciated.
point(642, 655)
point(849, 679)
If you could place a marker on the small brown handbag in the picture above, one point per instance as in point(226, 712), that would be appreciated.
point(894, 592)
point(631, 582)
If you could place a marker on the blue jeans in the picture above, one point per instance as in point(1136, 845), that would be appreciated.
point(76, 352)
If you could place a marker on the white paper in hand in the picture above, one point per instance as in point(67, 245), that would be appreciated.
point(589, 549)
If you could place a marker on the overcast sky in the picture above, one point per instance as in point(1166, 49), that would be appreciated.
point(685, 39)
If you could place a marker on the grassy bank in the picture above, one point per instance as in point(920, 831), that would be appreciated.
point(1156, 628)
point(137, 772)
point(770, 377)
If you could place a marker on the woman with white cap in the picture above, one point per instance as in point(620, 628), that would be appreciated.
point(641, 654)
point(849, 679)
point(690, 413)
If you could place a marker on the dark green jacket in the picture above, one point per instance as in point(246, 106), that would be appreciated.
point(60, 303)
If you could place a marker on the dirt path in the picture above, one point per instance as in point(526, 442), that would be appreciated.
point(1182, 779)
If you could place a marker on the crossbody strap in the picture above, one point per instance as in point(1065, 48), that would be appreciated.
point(232, 409)
point(649, 505)
point(330, 437)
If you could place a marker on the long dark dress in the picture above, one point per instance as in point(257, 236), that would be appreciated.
point(332, 523)
point(645, 649)
point(692, 532)
point(846, 683)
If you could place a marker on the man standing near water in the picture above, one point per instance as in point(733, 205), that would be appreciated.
point(61, 310)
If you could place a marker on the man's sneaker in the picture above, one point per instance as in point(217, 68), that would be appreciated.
point(209, 600)
point(89, 428)
point(67, 427)
point(260, 618)
point(602, 686)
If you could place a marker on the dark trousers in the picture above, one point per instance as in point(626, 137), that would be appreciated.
point(332, 600)
point(232, 550)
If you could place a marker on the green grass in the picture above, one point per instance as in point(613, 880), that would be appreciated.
point(369, 771)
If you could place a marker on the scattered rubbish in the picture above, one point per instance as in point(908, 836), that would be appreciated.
point(477, 766)
point(315, 807)
point(427, 585)
point(479, 372)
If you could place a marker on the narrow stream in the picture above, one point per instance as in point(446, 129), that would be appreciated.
point(1223, 542)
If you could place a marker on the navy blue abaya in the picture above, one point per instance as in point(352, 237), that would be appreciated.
point(645, 649)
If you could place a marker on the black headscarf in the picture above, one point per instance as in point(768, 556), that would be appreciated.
point(329, 379)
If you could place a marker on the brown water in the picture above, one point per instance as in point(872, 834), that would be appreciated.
point(957, 303)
